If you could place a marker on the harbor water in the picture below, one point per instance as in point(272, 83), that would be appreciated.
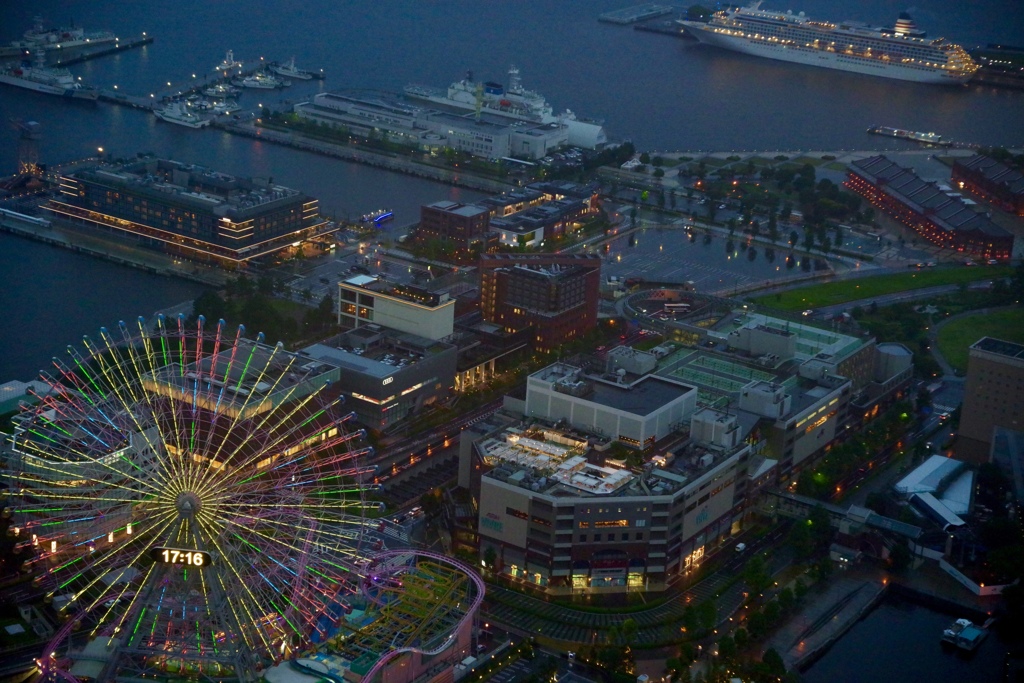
point(661, 92)
point(900, 641)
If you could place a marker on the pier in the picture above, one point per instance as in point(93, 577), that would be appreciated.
point(667, 27)
point(119, 46)
point(631, 15)
point(197, 84)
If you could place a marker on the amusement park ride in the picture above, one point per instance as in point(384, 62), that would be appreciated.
point(193, 503)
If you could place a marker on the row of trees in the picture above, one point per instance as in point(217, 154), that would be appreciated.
point(255, 306)
point(844, 459)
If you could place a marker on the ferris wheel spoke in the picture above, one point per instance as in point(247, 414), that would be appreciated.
point(254, 617)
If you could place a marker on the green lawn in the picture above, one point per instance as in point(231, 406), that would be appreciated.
point(831, 293)
point(956, 337)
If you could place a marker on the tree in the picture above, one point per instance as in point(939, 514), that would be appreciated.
point(801, 540)
point(773, 662)
point(757, 624)
point(645, 158)
point(707, 614)
point(727, 648)
point(823, 570)
point(659, 173)
point(741, 638)
point(787, 599)
point(629, 629)
point(757, 574)
point(307, 294)
point(210, 305)
point(490, 558)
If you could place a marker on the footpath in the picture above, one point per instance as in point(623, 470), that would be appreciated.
point(827, 615)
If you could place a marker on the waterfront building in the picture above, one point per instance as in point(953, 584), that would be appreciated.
point(940, 216)
point(189, 210)
point(993, 396)
point(380, 117)
point(556, 296)
point(523, 217)
point(386, 375)
point(367, 300)
point(991, 181)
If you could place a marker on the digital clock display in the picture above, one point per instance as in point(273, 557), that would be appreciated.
point(180, 556)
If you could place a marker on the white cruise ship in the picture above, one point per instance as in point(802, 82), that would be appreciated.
point(514, 102)
point(848, 46)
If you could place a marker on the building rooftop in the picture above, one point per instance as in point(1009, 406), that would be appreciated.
point(405, 292)
point(947, 210)
point(641, 397)
point(996, 172)
point(191, 185)
point(560, 463)
point(1000, 347)
point(929, 475)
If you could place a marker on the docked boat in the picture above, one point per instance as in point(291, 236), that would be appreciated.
point(964, 634)
point(912, 135)
point(221, 90)
point(899, 52)
point(45, 79)
point(289, 71)
point(224, 108)
point(66, 38)
point(178, 113)
point(261, 80)
point(377, 217)
point(229, 63)
point(515, 102)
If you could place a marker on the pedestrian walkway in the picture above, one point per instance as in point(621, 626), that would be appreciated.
point(827, 615)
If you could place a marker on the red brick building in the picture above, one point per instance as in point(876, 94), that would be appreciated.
point(554, 295)
point(992, 181)
point(463, 224)
point(940, 216)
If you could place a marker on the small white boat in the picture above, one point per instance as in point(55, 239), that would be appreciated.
point(289, 71)
point(229, 63)
point(224, 108)
point(221, 90)
point(178, 113)
point(262, 81)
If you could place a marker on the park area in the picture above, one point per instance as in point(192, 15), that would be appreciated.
point(832, 293)
point(956, 337)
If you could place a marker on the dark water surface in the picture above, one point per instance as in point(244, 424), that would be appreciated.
point(661, 92)
point(900, 641)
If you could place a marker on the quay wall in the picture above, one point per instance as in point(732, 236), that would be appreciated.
point(49, 234)
point(362, 156)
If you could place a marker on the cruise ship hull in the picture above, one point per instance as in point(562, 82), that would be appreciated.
point(584, 134)
point(77, 93)
point(823, 58)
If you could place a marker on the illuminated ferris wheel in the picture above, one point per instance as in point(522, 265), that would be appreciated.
point(192, 500)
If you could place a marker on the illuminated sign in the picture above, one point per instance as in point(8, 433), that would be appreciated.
point(388, 380)
point(180, 556)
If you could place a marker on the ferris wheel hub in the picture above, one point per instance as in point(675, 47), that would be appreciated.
point(188, 503)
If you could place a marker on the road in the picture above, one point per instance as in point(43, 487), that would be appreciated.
point(529, 616)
